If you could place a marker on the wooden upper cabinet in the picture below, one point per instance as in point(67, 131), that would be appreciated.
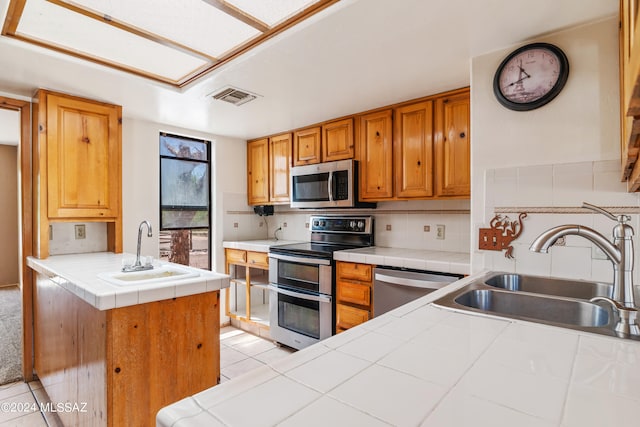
point(83, 150)
point(629, 42)
point(376, 158)
point(413, 150)
point(279, 166)
point(337, 140)
point(258, 171)
point(306, 146)
point(453, 146)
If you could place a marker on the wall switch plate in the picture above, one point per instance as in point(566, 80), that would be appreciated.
point(388, 227)
point(235, 225)
point(81, 232)
point(427, 228)
point(440, 231)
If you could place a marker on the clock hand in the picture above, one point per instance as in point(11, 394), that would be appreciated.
point(517, 81)
point(523, 71)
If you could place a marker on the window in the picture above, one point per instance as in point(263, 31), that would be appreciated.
point(185, 199)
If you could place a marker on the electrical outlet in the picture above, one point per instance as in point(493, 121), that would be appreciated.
point(50, 232)
point(81, 232)
point(388, 227)
point(427, 228)
point(440, 231)
point(306, 225)
point(284, 225)
point(235, 225)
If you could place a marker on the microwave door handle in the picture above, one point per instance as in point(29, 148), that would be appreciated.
point(330, 185)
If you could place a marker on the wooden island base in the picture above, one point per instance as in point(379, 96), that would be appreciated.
point(121, 366)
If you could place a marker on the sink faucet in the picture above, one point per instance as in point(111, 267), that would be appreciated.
point(138, 265)
point(620, 253)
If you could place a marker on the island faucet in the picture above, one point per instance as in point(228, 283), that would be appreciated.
point(138, 265)
point(620, 253)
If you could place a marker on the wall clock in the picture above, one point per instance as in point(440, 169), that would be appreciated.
point(531, 76)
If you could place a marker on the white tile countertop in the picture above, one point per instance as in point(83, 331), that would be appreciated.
point(78, 273)
point(420, 259)
point(256, 245)
point(421, 365)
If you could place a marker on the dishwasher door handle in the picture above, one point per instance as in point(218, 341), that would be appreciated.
point(412, 283)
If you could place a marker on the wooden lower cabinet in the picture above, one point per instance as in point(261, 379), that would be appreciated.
point(354, 294)
point(247, 297)
point(123, 365)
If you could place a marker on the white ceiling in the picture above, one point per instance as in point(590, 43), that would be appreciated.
point(353, 56)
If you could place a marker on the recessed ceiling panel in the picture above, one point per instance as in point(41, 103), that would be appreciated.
point(272, 12)
point(55, 25)
point(191, 23)
point(172, 41)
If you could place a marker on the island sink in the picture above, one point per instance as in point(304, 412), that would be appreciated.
point(161, 274)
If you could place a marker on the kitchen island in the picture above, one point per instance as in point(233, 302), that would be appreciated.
point(121, 352)
point(424, 365)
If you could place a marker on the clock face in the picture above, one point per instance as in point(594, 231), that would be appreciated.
point(531, 76)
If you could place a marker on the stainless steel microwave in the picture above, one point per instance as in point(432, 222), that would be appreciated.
point(326, 185)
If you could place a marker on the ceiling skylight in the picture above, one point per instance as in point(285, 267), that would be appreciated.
point(171, 41)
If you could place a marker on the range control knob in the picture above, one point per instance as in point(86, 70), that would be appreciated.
point(361, 225)
point(352, 224)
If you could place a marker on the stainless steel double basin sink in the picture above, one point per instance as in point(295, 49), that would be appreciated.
point(551, 301)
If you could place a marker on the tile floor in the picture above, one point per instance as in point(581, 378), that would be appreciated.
point(240, 352)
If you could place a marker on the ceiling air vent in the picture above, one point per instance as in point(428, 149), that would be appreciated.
point(234, 95)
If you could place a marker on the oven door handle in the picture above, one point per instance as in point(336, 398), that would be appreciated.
point(299, 259)
point(318, 298)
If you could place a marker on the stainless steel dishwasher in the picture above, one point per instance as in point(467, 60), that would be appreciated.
point(393, 287)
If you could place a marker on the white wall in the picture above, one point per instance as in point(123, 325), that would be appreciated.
point(554, 157)
point(141, 182)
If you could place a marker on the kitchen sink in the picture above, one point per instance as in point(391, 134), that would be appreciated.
point(157, 275)
point(550, 286)
point(554, 310)
point(556, 302)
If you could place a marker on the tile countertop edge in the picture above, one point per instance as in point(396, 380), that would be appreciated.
point(570, 394)
point(420, 259)
point(78, 273)
point(256, 245)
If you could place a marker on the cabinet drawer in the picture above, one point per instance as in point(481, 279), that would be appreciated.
point(354, 293)
point(354, 271)
point(348, 317)
point(236, 256)
point(258, 259)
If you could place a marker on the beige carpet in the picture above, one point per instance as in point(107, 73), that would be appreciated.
point(10, 333)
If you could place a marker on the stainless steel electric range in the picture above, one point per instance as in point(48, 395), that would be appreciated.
point(302, 279)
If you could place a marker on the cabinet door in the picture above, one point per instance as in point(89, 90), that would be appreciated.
point(413, 150)
point(337, 140)
point(83, 158)
point(376, 156)
point(453, 148)
point(306, 146)
point(258, 172)
point(279, 165)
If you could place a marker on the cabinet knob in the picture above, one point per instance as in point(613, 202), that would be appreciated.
point(419, 163)
point(462, 135)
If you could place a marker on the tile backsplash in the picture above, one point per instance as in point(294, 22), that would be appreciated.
point(63, 238)
point(552, 195)
point(401, 224)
